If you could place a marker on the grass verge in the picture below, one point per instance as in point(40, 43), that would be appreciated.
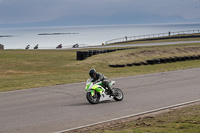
point(181, 120)
point(23, 69)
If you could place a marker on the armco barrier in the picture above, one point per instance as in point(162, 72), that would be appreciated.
point(159, 36)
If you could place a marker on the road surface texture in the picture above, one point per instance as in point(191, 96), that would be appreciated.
point(57, 108)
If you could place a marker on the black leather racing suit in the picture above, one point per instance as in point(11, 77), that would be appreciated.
point(104, 80)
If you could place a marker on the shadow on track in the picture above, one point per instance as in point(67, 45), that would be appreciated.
point(87, 103)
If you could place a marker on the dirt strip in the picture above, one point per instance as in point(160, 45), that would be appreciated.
point(118, 123)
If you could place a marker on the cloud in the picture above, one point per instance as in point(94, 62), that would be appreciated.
point(26, 11)
point(17, 11)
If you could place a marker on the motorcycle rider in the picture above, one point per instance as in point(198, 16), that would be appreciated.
point(98, 76)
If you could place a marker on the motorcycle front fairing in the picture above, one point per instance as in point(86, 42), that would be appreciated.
point(92, 87)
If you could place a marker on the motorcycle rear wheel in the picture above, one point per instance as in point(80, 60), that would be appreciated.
point(92, 99)
point(118, 94)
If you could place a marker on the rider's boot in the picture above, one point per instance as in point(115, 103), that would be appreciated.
point(111, 91)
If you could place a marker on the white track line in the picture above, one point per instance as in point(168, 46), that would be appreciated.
point(128, 116)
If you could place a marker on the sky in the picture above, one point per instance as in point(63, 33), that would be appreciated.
point(23, 13)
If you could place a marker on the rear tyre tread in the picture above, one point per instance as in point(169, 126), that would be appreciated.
point(115, 97)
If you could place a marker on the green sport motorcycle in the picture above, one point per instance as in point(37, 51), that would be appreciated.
point(95, 91)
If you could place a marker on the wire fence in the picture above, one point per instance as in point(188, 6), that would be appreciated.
point(132, 38)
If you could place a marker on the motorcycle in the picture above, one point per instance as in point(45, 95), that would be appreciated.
point(96, 90)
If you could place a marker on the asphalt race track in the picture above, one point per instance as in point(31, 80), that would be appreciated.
point(62, 107)
point(145, 44)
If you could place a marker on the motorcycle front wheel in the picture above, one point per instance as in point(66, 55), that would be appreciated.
point(118, 94)
point(92, 99)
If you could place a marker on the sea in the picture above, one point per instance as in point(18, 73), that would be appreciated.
point(92, 35)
